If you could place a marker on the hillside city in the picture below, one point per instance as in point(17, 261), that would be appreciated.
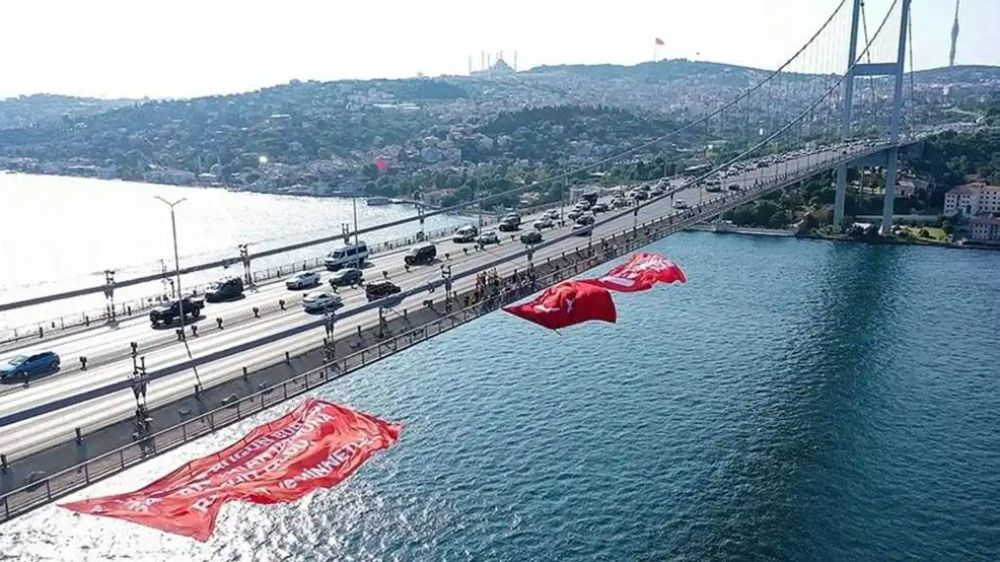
point(444, 140)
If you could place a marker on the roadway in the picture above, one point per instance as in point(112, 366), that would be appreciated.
point(109, 349)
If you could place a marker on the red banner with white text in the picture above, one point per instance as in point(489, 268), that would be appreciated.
point(317, 445)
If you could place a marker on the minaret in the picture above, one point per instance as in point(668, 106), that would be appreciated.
point(954, 37)
point(515, 61)
point(470, 65)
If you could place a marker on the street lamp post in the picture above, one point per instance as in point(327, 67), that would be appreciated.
point(354, 203)
point(329, 322)
point(475, 197)
point(177, 259)
point(562, 198)
point(446, 276)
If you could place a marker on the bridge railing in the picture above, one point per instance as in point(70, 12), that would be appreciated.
point(558, 268)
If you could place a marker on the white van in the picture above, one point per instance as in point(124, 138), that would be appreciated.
point(467, 233)
point(353, 255)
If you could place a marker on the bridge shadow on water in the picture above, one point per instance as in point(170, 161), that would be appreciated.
point(773, 493)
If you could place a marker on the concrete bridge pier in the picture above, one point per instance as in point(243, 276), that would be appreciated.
point(839, 196)
point(889, 199)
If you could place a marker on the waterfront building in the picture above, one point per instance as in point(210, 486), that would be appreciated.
point(975, 198)
point(984, 229)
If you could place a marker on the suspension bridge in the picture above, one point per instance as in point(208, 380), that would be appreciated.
point(838, 102)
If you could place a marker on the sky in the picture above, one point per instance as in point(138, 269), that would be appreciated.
point(186, 48)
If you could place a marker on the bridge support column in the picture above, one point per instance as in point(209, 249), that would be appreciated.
point(840, 196)
point(888, 202)
point(845, 122)
point(897, 109)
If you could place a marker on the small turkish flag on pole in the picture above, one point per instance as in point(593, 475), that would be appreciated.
point(659, 42)
point(566, 304)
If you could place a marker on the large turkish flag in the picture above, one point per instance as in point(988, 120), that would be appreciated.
point(639, 273)
point(315, 446)
point(568, 303)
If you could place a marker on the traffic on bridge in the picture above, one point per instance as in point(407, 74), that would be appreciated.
point(289, 316)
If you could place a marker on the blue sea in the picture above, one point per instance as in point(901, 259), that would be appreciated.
point(795, 400)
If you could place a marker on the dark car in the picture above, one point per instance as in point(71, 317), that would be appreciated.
point(514, 217)
point(508, 225)
point(582, 229)
point(225, 289)
point(734, 187)
point(167, 313)
point(382, 289)
point(531, 237)
point(349, 276)
point(422, 254)
point(25, 366)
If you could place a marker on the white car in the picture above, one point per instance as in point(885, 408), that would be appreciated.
point(303, 280)
point(313, 302)
point(488, 237)
point(680, 204)
point(552, 214)
point(544, 222)
point(466, 233)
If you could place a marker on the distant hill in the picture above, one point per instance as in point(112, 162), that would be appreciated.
point(326, 135)
point(28, 111)
point(665, 70)
point(683, 69)
point(960, 74)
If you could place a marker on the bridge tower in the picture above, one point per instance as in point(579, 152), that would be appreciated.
point(894, 69)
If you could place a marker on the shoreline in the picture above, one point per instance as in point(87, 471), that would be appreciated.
point(229, 188)
point(785, 233)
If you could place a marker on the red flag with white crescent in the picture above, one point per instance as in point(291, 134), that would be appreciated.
point(566, 304)
point(317, 445)
point(659, 41)
point(640, 273)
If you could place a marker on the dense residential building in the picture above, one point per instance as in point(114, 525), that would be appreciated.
point(975, 198)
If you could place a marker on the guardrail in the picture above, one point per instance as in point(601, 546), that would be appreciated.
point(44, 491)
